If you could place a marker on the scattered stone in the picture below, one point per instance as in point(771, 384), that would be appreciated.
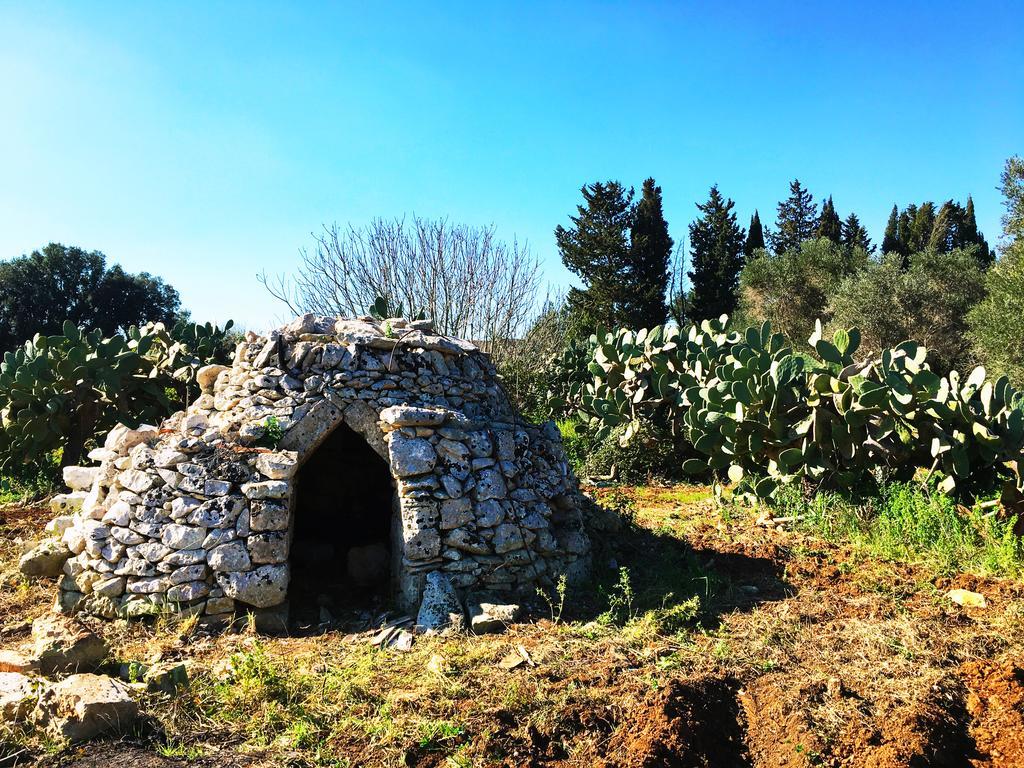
point(83, 706)
point(967, 598)
point(166, 677)
point(62, 644)
point(17, 696)
point(79, 478)
point(17, 661)
point(486, 618)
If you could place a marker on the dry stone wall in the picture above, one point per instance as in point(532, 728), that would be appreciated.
point(192, 516)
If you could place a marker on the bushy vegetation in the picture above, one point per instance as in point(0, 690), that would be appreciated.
point(765, 417)
point(58, 392)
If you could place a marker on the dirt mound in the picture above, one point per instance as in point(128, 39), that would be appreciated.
point(995, 703)
point(779, 732)
point(685, 725)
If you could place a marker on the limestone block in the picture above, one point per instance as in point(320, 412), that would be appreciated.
point(83, 706)
point(232, 556)
point(17, 696)
point(410, 455)
point(260, 588)
point(440, 607)
point(79, 478)
point(61, 644)
point(45, 560)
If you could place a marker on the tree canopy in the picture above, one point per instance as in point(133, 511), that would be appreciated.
point(38, 292)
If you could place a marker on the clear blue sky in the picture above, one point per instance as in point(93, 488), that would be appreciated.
point(203, 142)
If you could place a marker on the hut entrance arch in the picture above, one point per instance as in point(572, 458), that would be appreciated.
point(343, 554)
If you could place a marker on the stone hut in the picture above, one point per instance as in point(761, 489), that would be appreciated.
point(330, 446)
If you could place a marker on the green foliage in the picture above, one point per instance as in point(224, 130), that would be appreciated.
point(755, 236)
point(906, 522)
point(60, 391)
point(382, 309)
point(272, 433)
point(620, 250)
point(946, 228)
point(716, 257)
point(797, 219)
point(576, 443)
point(766, 417)
point(928, 302)
point(648, 454)
point(829, 224)
point(997, 321)
point(39, 292)
point(792, 289)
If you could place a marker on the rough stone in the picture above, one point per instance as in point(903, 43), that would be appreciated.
point(79, 478)
point(17, 696)
point(411, 455)
point(62, 644)
point(485, 618)
point(260, 588)
point(83, 706)
point(440, 607)
point(45, 559)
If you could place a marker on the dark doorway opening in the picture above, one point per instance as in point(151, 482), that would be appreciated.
point(341, 548)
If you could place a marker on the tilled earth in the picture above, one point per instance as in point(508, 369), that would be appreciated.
point(802, 653)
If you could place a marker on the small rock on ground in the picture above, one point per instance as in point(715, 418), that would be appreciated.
point(440, 607)
point(485, 618)
point(63, 644)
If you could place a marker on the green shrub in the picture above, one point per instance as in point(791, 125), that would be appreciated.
point(576, 443)
point(60, 392)
point(648, 454)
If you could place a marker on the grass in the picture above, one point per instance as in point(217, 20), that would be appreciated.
point(909, 524)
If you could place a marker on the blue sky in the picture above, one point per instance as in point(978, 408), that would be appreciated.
point(204, 142)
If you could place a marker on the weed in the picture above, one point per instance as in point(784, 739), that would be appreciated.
point(556, 604)
point(179, 750)
point(435, 734)
point(620, 601)
point(272, 433)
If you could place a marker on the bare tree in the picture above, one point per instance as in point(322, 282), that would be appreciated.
point(470, 283)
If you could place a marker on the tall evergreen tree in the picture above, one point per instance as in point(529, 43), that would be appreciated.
point(650, 250)
point(891, 238)
point(596, 249)
point(829, 224)
point(922, 222)
point(942, 237)
point(716, 258)
point(755, 236)
point(855, 235)
point(967, 234)
point(797, 219)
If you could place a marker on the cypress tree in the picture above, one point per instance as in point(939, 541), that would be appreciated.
point(855, 235)
point(891, 238)
point(967, 234)
point(650, 251)
point(755, 236)
point(797, 219)
point(596, 249)
point(922, 222)
point(716, 251)
point(829, 225)
point(944, 227)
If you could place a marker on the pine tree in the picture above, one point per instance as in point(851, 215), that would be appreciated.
point(755, 236)
point(891, 238)
point(596, 249)
point(650, 250)
point(716, 251)
point(797, 219)
point(829, 225)
point(855, 235)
